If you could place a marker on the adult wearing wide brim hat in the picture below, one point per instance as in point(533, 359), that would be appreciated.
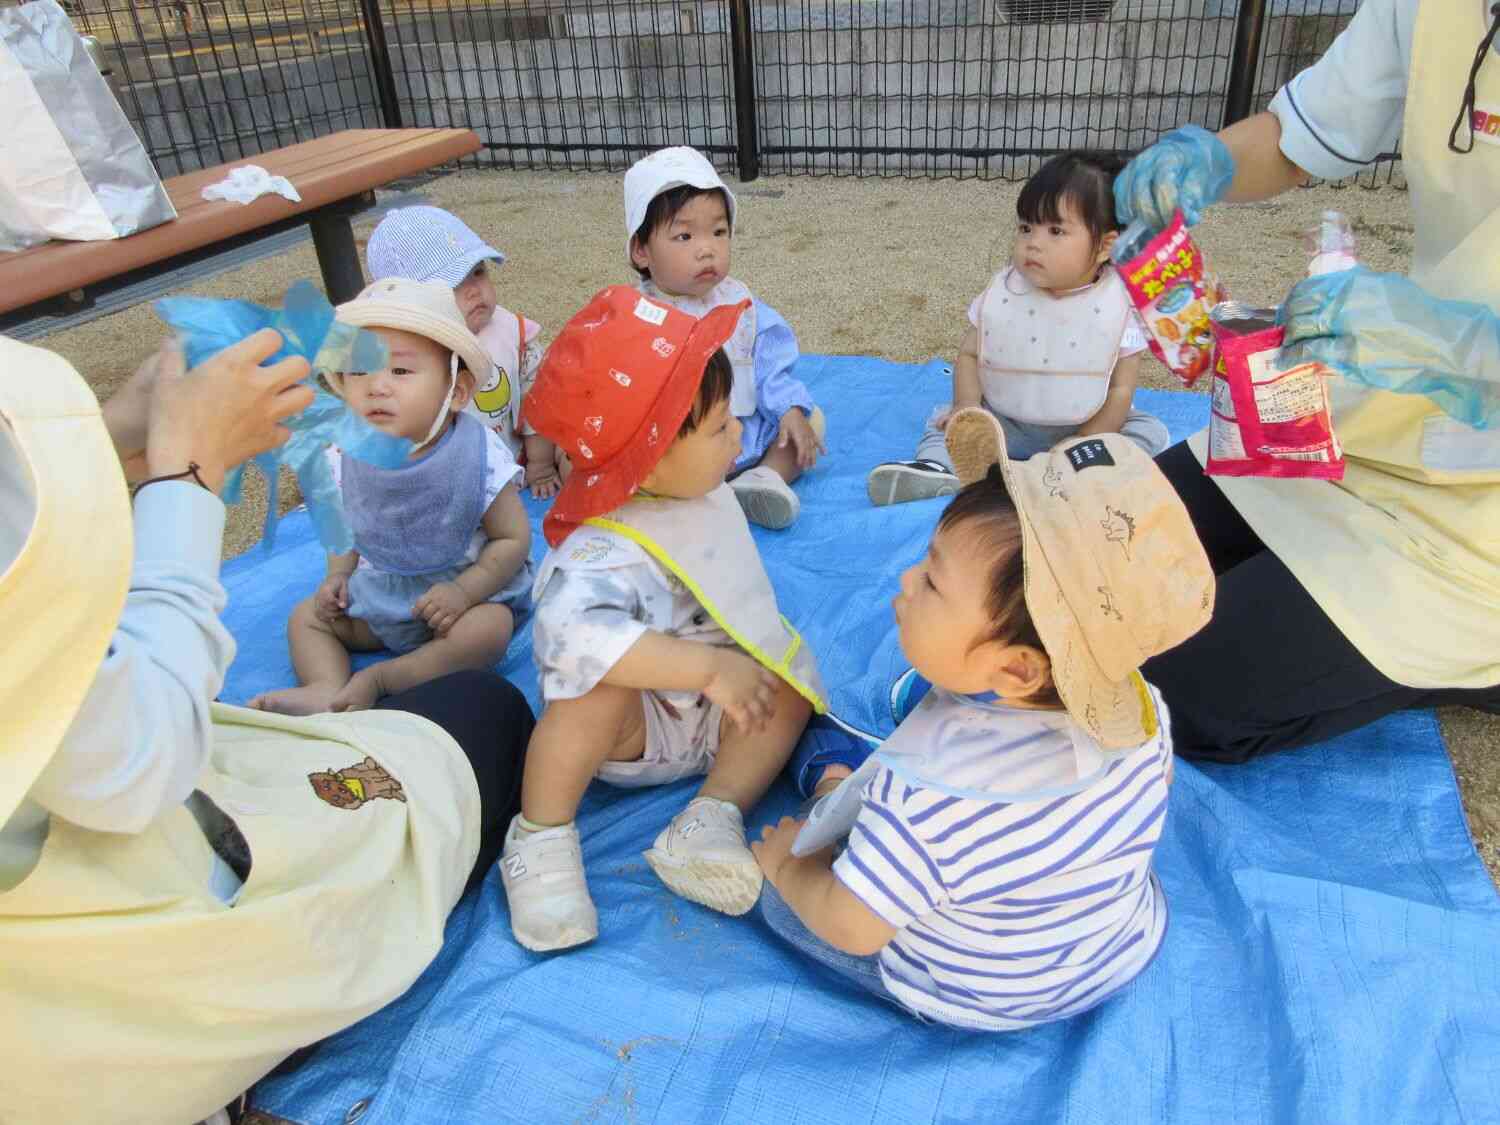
point(1341, 602)
point(191, 892)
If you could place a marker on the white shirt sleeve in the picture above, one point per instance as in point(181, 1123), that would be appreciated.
point(1346, 109)
point(586, 620)
point(500, 467)
point(886, 864)
point(143, 733)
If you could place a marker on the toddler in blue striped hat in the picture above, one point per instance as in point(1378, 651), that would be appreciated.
point(429, 244)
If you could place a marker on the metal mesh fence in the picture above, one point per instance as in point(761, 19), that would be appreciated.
point(853, 87)
point(210, 81)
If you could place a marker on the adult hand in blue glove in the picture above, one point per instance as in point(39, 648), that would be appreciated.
point(1383, 330)
point(1187, 169)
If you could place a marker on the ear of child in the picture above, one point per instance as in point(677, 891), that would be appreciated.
point(1016, 672)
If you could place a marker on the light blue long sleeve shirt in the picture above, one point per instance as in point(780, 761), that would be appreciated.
point(776, 390)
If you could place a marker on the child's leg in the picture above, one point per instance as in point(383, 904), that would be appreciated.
point(747, 763)
point(1147, 431)
point(542, 865)
point(863, 972)
point(702, 854)
point(477, 640)
point(320, 657)
point(782, 460)
point(929, 474)
point(573, 739)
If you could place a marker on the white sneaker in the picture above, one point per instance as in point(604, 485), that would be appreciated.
point(702, 856)
point(896, 482)
point(550, 907)
point(767, 499)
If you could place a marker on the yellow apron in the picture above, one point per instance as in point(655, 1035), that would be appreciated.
point(706, 544)
point(1404, 554)
point(132, 993)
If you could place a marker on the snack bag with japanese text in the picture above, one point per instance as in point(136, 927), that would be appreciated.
point(1169, 284)
point(1266, 422)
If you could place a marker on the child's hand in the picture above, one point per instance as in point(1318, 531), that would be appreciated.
point(796, 429)
point(543, 480)
point(745, 690)
point(332, 598)
point(442, 605)
point(774, 847)
point(939, 421)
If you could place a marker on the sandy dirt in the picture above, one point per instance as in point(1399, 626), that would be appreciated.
point(873, 266)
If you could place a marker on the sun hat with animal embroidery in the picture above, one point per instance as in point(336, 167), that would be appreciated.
point(1115, 572)
point(613, 391)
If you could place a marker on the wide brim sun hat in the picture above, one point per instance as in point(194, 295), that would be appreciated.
point(427, 309)
point(62, 594)
point(613, 391)
point(1114, 570)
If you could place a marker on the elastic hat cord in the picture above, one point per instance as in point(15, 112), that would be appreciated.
point(1466, 111)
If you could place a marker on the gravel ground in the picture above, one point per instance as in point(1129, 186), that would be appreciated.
point(874, 267)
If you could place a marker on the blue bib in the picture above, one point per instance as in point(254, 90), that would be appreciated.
point(421, 517)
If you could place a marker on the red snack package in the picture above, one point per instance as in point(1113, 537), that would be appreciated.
point(1266, 422)
point(1168, 282)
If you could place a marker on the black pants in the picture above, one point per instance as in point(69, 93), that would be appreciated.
point(1270, 671)
point(491, 721)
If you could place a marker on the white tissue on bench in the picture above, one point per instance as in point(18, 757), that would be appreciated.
point(251, 181)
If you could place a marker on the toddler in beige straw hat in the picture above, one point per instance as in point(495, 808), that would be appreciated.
point(989, 866)
point(440, 567)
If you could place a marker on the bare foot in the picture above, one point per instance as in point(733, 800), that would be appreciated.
point(833, 776)
point(360, 693)
point(311, 699)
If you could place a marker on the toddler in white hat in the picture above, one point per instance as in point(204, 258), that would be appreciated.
point(440, 568)
point(679, 219)
point(429, 244)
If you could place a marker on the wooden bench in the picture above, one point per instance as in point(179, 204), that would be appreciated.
point(335, 175)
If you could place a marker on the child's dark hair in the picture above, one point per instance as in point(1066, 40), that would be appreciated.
point(1084, 179)
point(663, 209)
point(718, 378)
point(987, 509)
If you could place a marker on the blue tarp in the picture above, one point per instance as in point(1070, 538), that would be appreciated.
point(1333, 953)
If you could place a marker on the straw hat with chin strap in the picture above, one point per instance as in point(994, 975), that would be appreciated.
point(62, 593)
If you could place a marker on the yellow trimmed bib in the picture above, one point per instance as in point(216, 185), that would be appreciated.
point(707, 546)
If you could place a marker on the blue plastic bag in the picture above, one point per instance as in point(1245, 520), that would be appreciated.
point(306, 322)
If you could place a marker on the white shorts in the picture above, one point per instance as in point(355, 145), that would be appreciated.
point(682, 740)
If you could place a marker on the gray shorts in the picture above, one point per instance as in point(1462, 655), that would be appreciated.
point(1024, 440)
point(682, 740)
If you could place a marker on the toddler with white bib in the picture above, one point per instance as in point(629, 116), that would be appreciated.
point(679, 220)
point(660, 650)
point(1054, 345)
point(989, 866)
point(430, 244)
point(440, 569)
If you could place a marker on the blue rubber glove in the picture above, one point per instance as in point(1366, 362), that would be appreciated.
point(308, 328)
point(1385, 331)
point(1187, 169)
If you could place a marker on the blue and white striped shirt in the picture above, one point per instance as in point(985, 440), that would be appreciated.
point(1011, 913)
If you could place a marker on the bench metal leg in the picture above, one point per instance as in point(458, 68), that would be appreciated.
point(333, 239)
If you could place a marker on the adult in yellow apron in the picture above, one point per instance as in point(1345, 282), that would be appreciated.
point(1339, 603)
point(152, 975)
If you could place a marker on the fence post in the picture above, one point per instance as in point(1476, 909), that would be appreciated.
point(380, 62)
point(742, 59)
point(1249, 23)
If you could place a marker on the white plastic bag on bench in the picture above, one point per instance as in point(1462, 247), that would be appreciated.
point(71, 166)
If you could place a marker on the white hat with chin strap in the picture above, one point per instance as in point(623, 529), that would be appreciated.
point(663, 170)
point(63, 584)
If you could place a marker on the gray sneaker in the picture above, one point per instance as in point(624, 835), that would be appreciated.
point(767, 499)
point(702, 855)
point(896, 482)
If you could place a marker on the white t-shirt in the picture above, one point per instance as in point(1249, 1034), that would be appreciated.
point(1011, 913)
point(591, 609)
